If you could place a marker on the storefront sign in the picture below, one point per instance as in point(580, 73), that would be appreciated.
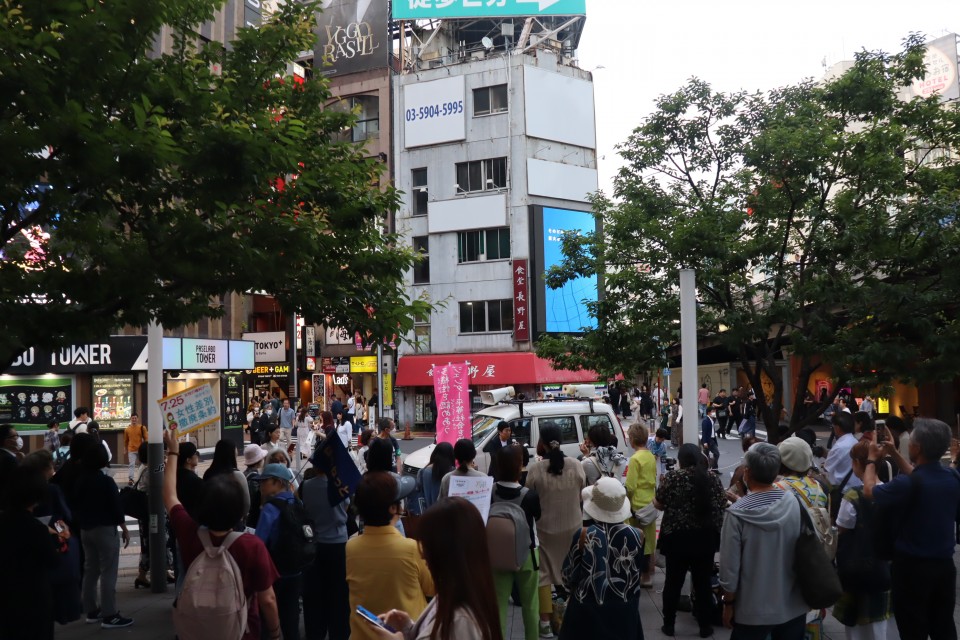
point(317, 381)
point(327, 366)
point(112, 401)
point(30, 403)
point(453, 405)
point(310, 341)
point(353, 37)
point(341, 365)
point(190, 409)
point(363, 364)
point(338, 336)
point(113, 355)
point(234, 413)
point(387, 390)
point(438, 9)
point(204, 354)
point(269, 346)
point(521, 302)
point(311, 364)
point(342, 380)
point(270, 369)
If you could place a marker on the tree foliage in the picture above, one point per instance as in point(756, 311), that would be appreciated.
point(821, 220)
point(135, 186)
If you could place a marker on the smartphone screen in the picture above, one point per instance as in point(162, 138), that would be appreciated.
point(372, 618)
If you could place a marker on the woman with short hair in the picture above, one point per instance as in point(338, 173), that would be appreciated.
point(641, 485)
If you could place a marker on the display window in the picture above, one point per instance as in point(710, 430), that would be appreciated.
point(112, 401)
point(29, 404)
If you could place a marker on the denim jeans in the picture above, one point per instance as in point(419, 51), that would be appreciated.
point(101, 548)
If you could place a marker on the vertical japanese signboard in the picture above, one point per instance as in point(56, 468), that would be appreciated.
point(521, 302)
point(453, 407)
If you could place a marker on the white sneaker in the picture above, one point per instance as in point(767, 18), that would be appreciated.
point(545, 630)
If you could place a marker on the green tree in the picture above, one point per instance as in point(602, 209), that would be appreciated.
point(135, 186)
point(821, 220)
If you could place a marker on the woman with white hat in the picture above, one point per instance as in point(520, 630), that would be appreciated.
point(253, 455)
point(602, 570)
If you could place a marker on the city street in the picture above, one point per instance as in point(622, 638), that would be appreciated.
point(151, 612)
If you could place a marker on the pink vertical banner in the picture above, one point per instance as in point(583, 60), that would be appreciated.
point(450, 391)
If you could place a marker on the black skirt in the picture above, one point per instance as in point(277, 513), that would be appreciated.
point(612, 620)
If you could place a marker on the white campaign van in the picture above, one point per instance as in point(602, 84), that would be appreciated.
point(572, 414)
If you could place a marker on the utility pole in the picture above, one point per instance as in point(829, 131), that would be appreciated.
point(157, 528)
point(688, 354)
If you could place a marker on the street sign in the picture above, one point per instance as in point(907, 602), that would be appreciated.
point(422, 9)
point(666, 371)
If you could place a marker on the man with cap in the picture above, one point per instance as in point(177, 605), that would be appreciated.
point(253, 455)
point(605, 589)
point(384, 570)
point(275, 481)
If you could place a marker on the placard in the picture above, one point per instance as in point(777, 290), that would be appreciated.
point(475, 489)
point(190, 409)
point(450, 384)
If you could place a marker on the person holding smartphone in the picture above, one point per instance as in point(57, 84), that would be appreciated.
point(466, 605)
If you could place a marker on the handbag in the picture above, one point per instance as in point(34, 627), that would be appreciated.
point(134, 502)
point(742, 429)
point(858, 566)
point(646, 515)
point(818, 580)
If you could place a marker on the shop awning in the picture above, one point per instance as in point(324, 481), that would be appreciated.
point(489, 369)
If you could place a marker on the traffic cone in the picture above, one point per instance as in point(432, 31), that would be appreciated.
point(406, 431)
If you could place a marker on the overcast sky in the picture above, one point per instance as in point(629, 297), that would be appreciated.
point(649, 48)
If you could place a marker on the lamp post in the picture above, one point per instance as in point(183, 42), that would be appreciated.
point(688, 354)
point(157, 530)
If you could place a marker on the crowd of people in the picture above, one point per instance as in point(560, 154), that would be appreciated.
point(289, 541)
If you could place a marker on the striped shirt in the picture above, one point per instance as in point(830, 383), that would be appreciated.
point(760, 500)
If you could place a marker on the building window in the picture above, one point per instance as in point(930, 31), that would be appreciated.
point(421, 334)
point(487, 100)
point(421, 270)
point(418, 179)
point(482, 175)
point(367, 110)
point(488, 244)
point(486, 316)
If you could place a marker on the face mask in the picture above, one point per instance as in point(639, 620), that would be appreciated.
point(19, 443)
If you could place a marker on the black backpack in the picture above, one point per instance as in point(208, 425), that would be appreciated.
point(295, 545)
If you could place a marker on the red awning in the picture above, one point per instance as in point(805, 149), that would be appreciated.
point(489, 369)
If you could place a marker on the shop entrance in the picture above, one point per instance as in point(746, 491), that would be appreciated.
point(208, 436)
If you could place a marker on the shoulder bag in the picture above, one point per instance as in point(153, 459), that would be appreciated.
point(816, 577)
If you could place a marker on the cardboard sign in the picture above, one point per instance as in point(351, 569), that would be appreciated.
point(190, 409)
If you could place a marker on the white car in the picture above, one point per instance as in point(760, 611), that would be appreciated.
point(574, 417)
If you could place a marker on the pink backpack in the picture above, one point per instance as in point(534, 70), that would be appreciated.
point(212, 603)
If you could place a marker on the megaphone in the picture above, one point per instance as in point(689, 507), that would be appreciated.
point(496, 395)
point(579, 390)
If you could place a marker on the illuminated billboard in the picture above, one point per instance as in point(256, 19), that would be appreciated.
point(562, 310)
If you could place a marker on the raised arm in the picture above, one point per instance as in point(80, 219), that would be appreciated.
point(170, 499)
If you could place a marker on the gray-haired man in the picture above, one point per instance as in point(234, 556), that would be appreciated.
point(761, 595)
point(925, 501)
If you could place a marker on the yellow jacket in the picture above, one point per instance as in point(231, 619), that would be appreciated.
point(385, 571)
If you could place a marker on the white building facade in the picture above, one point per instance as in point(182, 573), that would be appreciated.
point(496, 155)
